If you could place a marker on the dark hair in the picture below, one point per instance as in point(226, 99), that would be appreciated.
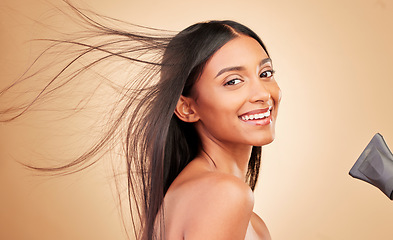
point(172, 142)
point(158, 145)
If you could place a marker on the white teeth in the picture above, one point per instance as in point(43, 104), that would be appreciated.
point(256, 116)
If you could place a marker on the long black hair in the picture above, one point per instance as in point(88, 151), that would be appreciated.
point(172, 142)
point(158, 145)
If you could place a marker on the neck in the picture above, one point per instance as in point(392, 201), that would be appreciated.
point(226, 157)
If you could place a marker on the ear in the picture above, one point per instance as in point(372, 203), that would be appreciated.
point(185, 110)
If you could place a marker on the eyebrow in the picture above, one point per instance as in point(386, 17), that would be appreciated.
point(240, 68)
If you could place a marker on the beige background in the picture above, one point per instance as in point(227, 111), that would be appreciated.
point(333, 61)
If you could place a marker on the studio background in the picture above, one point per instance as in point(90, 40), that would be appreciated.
point(333, 61)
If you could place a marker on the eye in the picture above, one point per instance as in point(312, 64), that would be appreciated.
point(233, 82)
point(267, 74)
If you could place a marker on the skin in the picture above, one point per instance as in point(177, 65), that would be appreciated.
point(210, 199)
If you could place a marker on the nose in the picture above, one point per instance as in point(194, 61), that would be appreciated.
point(259, 91)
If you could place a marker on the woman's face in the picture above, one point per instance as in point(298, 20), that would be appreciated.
point(236, 96)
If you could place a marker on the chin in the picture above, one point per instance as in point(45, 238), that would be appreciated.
point(264, 141)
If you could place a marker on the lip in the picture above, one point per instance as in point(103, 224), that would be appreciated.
point(257, 111)
point(258, 122)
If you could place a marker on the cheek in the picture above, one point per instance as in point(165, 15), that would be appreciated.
point(218, 111)
point(211, 108)
point(276, 94)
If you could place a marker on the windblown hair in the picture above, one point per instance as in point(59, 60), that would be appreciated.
point(158, 145)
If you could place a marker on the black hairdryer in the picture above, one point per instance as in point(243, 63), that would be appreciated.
point(375, 166)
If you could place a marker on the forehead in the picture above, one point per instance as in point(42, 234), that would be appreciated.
point(240, 51)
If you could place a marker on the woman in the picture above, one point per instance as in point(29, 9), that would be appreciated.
point(194, 137)
point(230, 100)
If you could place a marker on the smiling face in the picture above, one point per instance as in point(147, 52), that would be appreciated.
point(236, 97)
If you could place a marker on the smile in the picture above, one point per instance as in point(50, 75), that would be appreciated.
point(259, 117)
point(256, 116)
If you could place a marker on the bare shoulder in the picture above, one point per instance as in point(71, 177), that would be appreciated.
point(214, 186)
point(221, 185)
point(260, 227)
point(210, 205)
point(197, 181)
